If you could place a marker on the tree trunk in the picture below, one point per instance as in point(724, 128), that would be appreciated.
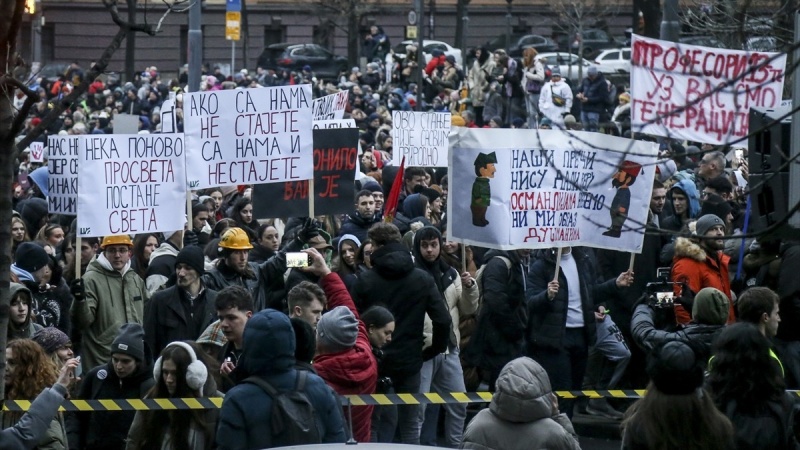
point(460, 40)
point(353, 37)
point(245, 39)
point(130, 44)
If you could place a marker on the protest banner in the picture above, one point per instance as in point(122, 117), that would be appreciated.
point(169, 123)
point(335, 156)
point(62, 169)
point(130, 184)
point(248, 136)
point(549, 188)
point(338, 123)
point(420, 137)
point(329, 107)
point(37, 152)
point(126, 123)
point(700, 94)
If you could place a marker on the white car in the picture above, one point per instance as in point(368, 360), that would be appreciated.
point(569, 63)
point(428, 46)
point(614, 60)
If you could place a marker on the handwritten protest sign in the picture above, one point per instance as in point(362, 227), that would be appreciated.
point(335, 156)
point(549, 189)
point(62, 169)
point(698, 93)
point(130, 184)
point(37, 151)
point(248, 136)
point(420, 137)
point(339, 123)
point(330, 107)
point(169, 122)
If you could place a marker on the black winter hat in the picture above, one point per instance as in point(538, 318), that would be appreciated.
point(31, 257)
point(192, 256)
point(675, 368)
point(129, 341)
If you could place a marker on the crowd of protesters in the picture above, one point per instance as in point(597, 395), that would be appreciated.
point(390, 305)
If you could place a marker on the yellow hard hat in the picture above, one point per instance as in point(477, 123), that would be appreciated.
point(235, 239)
point(122, 239)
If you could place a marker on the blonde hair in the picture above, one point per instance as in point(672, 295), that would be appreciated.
point(529, 56)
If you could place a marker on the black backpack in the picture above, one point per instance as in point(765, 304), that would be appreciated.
point(293, 418)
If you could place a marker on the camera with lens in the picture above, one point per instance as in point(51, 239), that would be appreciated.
point(661, 293)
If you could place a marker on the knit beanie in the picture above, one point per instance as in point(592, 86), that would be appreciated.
point(706, 223)
point(305, 339)
point(710, 307)
point(337, 330)
point(51, 339)
point(129, 341)
point(31, 257)
point(675, 369)
point(192, 256)
point(372, 186)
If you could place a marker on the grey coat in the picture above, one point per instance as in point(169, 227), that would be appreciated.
point(521, 414)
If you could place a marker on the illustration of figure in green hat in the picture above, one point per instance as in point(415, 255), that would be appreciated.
point(481, 190)
point(624, 177)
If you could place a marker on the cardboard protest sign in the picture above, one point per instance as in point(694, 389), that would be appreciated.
point(37, 151)
point(335, 156)
point(549, 188)
point(130, 184)
point(698, 93)
point(248, 136)
point(420, 137)
point(126, 123)
point(62, 169)
point(330, 107)
point(169, 122)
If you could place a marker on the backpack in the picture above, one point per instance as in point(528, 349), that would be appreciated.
point(293, 418)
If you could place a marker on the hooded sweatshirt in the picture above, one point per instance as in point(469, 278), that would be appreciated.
point(521, 414)
point(268, 352)
point(26, 329)
point(112, 299)
point(354, 371)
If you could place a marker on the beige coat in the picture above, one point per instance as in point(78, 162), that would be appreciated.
point(460, 300)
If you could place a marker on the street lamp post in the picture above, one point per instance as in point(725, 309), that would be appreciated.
point(508, 26)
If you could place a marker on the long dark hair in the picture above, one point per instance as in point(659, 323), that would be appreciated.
point(743, 370)
point(157, 424)
point(139, 243)
point(678, 422)
point(236, 215)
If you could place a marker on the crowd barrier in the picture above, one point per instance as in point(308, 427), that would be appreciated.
point(355, 400)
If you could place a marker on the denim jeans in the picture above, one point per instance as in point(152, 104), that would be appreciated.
point(443, 374)
point(590, 120)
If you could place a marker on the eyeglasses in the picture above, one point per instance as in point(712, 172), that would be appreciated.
point(117, 251)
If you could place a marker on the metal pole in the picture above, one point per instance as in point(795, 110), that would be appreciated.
point(419, 5)
point(508, 27)
point(670, 23)
point(233, 57)
point(195, 57)
point(794, 169)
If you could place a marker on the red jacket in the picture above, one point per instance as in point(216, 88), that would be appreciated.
point(698, 270)
point(353, 371)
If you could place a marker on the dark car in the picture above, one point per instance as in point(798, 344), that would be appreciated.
point(594, 40)
point(294, 56)
point(702, 41)
point(51, 71)
point(519, 42)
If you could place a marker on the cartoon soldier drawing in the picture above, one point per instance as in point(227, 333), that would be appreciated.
point(622, 180)
point(481, 191)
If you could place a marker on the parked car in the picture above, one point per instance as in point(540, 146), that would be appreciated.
point(294, 56)
point(428, 46)
point(762, 44)
point(500, 41)
point(702, 41)
point(614, 60)
point(569, 64)
point(540, 43)
point(50, 72)
point(594, 40)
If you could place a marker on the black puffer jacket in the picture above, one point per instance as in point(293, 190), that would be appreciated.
point(499, 335)
point(409, 293)
point(51, 306)
point(548, 318)
point(107, 430)
point(648, 337)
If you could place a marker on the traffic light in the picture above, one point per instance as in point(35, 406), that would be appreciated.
point(30, 7)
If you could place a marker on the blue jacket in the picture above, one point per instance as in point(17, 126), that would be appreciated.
point(596, 92)
point(269, 346)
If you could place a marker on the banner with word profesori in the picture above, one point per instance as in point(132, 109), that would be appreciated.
point(420, 137)
point(130, 184)
point(700, 94)
point(550, 188)
point(330, 107)
point(62, 174)
point(335, 156)
point(248, 136)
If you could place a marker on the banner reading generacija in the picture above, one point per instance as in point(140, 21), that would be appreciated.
point(549, 188)
point(130, 184)
point(62, 169)
point(420, 137)
point(335, 155)
point(700, 94)
point(330, 107)
point(248, 136)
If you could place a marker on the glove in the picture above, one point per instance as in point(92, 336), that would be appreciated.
point(686, 299)
point(311, 229)
point(77, 289)
point(190, 238)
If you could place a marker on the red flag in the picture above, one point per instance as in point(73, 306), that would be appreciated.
point(390, 208)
